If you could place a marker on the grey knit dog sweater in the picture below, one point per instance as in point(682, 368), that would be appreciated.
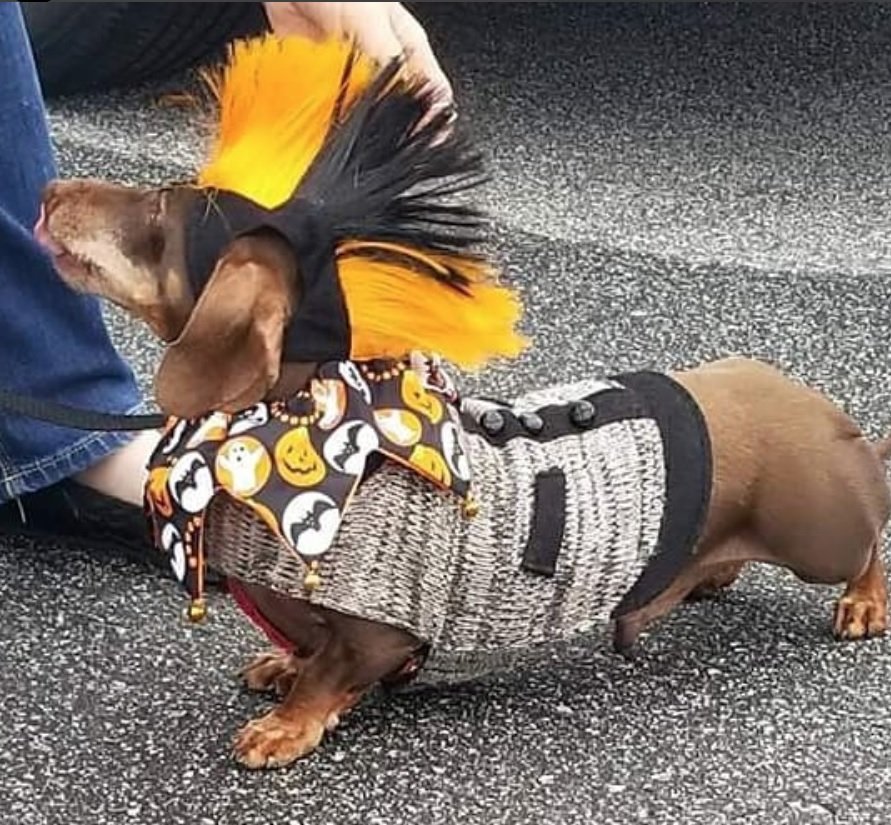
point(591, 500)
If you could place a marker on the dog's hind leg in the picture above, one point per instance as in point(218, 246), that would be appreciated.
point(722, 577)
point(862, 611)
point(710, 564)
point(827, 529)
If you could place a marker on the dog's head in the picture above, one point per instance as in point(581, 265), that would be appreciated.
point(129, 246)
point(327, 224)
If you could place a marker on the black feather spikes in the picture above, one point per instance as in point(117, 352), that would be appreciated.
point(385, 175)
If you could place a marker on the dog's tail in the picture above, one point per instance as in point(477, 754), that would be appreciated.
point(883, 447)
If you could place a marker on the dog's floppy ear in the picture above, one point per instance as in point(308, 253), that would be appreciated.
point(228, 355)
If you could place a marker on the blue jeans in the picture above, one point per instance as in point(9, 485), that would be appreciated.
point(53, 342)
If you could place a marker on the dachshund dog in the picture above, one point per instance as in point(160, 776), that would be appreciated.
point(777, 474)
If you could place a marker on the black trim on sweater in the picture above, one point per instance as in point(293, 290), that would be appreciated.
point(688, 483)
point(548, 523)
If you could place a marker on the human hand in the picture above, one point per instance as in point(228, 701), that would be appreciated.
point(381, 30)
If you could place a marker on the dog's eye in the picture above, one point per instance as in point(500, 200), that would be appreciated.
point(148, 238)
point(156, 238)
point(156, 243)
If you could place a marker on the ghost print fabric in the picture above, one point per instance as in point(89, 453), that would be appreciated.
point(298, 462)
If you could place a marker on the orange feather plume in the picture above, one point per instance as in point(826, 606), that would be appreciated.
point(281, 102)
point(276, 100)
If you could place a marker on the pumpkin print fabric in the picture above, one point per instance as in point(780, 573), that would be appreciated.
point(298, 462)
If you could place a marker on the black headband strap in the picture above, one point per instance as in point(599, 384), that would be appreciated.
point(319, 329)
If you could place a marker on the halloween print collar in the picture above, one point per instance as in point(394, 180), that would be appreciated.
point(297, 463)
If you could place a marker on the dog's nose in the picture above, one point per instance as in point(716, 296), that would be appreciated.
point(41, 231)
point(40, 226)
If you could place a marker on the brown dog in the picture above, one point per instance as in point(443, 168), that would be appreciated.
point(795, 482)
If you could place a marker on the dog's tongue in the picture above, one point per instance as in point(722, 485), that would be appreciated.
point(43, 237)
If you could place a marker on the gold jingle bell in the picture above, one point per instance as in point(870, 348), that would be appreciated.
point(470, 506)
point(196, 612)
point(313, 579)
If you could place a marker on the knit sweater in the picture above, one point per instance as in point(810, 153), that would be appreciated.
point(591, 500)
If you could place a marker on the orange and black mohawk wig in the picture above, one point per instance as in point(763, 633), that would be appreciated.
point(337, 154)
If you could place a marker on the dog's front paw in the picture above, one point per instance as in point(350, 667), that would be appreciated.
point(273, 741)
point(860, 616)
point(272, 670)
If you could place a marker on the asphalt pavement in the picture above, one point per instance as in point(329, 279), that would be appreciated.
point(670, 184)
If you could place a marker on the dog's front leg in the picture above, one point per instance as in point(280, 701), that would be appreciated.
point(272, 670)
point(321, 691)
point(346, 658)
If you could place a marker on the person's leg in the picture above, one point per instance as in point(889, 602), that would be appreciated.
point(53, 343)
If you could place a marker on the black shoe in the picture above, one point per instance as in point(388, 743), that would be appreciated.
point(68, 511)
